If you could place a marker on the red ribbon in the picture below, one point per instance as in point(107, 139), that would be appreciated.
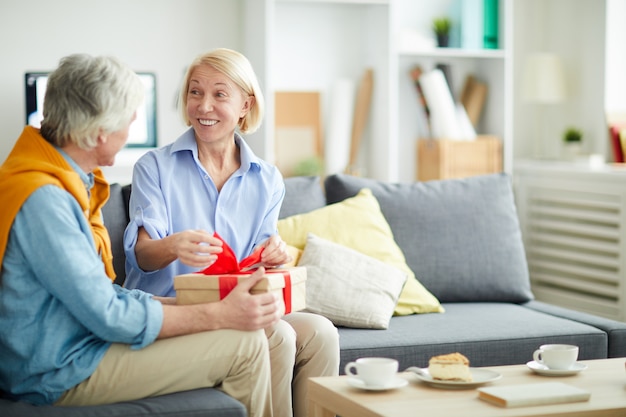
point(287, 291)
point(227, 264)
point(227, 283)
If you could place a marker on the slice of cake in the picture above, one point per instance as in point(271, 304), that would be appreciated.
point(450, 367)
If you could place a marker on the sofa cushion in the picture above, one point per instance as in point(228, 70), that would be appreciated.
point(616, 330)
point(460, 237)
point(347, 287)
point(302, 194)
point(358, 223)
point(195, 403)
point(489, 334)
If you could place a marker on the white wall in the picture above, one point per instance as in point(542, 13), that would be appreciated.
point(160, 36)
point(575, 31)
point(615, 100)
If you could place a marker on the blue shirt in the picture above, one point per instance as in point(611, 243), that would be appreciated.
point(59, 312)
point(172, 192)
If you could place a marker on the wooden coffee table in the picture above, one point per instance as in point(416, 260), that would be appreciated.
point(604, 378)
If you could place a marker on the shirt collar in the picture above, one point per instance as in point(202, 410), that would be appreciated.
point(187, 142)
point(87, 178)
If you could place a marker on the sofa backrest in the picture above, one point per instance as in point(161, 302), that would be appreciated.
point(302, 194)
point(461, 237)
point(115, 216)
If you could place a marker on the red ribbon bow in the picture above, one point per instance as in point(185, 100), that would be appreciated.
point(227, 264)
point(227, 261)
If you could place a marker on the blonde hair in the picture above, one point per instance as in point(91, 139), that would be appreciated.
point(88, 95)
point(235, 66)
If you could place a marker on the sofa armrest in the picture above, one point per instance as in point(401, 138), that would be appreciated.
point(616, 330)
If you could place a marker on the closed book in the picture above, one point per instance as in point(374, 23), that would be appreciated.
point(533, 394)
point(416, 73)
point(473, 98)
point(472, 24)
point(490, 24)
point(443, 118)
point(622, 139)
point(447, 74)
point(618, 151)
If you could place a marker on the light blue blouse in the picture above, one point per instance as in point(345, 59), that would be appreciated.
point(172, 192)
point(59, 312)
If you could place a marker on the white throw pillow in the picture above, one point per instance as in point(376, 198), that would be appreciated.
point(347, 287)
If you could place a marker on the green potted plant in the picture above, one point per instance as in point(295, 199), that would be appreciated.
point(572, 135)
point(572, 138)
point(441, 27)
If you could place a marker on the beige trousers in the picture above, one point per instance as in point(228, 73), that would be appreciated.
point(235, 362)
point(302, 345)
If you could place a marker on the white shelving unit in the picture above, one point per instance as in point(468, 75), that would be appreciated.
point(491, 66)
point(334, 39)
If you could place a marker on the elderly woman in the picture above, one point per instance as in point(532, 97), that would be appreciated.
point(208, 181)
point(69, 336)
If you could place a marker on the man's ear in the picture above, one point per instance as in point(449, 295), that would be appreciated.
point(102, 137)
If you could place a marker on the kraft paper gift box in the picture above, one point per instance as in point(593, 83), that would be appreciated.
point(217, 280)
point(201, 288)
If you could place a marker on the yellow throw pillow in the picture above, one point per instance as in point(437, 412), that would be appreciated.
point(358, 223)
point(295, 256)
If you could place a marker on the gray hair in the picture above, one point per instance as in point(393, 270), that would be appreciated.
point(86, 96)
point(235, 66)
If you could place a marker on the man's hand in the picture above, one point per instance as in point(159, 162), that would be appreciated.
point(239, 310)
point(246, 311)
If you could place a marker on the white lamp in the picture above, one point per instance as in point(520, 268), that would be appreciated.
point(544, 79)
point(543, 83)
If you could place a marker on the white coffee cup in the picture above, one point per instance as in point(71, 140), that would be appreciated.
point(556, 356)
point(374, 372)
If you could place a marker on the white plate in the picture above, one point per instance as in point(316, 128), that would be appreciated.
point(479, 377)
point(396, 383)
point(544, 370)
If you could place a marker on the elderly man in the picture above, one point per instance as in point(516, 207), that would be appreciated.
point(68, 336)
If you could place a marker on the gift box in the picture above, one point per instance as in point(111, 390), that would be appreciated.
point(288, 283)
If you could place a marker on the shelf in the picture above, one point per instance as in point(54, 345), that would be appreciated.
point(336, 1)
point(455, 53)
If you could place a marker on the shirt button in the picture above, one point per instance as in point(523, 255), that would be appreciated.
point(206, 177)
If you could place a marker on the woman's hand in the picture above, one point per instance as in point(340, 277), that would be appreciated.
point(274, 252)
point(195, 248)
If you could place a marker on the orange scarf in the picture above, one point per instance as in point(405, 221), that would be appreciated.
point(33, 163)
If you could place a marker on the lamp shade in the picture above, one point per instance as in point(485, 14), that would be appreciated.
point(544, 79)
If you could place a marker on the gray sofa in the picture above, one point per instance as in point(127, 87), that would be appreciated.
point(462, 240)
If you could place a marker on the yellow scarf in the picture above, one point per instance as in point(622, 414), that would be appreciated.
point(33, 163)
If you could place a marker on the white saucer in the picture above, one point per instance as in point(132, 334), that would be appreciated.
point(480, 376)
point(396, 383)
point(544, 370)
